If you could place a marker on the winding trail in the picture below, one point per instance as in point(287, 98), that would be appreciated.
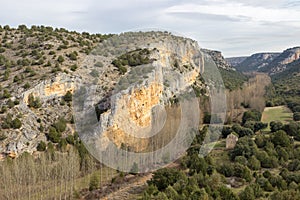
point(128, 191)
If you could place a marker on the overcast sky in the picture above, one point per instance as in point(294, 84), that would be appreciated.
point(232, 26)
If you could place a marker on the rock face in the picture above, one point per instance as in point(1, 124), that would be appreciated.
point(50, 93)
point(256, 62)
point(292, 70)
point(58, 86)
point(141, 102)
point(138, 100)
point(218, 59)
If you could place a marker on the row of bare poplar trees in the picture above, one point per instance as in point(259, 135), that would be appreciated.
point(46, 176)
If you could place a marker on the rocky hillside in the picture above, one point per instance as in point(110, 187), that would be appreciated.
point(218, 59)
point(281, 62)
point(286, 86)
point(38, 67)
point(292, 70)
point(42, 70)
point(256, 62)
point(42, 67)
point(235, 61)
point(270, 63)
point(167, 68)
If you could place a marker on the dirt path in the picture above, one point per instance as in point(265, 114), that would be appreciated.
point(129, 191)
point(130, 188)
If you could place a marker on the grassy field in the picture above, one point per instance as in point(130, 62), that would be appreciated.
point(278, 113)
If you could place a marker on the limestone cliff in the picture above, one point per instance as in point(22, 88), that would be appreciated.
point(135, 106)
point(58, 86)
point(139, 97)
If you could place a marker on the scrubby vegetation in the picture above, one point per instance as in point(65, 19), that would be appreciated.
point(286, 90)
point(68, 97)
point(9, 122)
point(34, 102)
point(41, 146)
point(232, 79)
point(132, 58)
point(24, 50)
point(261, 166)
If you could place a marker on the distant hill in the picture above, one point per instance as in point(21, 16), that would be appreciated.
point(284, 69)
point(235, 61)
point(292, 70)
point(271, 63)
point(289, 79)
point(256, 62)
point(286, 81)
point(281, 62)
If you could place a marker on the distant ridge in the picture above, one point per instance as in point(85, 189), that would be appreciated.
point(280, 63)
point(256, 61)
point(267, 62)
point(235, 61)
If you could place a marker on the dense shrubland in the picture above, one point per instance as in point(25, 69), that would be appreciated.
point(262, 165)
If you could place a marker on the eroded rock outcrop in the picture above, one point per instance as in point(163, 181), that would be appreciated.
point(58, 86)
point(218, 59)
point(131, 117)
point(50, 93)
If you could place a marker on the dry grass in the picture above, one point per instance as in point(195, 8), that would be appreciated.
point(278, 113)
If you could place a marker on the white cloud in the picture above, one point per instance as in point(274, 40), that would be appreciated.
point(235, 27)
point(239, 11)
point(55, 12)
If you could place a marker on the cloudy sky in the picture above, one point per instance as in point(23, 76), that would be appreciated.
point(232, 26)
